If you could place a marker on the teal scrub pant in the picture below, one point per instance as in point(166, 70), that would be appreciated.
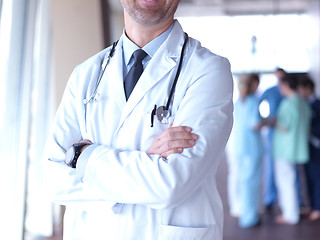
point(249, 177)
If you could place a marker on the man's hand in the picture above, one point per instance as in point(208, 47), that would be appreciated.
point(84, 147)
point(173, 140)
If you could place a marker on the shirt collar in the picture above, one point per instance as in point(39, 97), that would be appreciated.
point(151, 48)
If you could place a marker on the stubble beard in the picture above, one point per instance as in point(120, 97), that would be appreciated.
point(148, 17)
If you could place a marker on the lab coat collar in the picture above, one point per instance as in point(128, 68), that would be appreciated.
point(165, 59)
point(114, 74)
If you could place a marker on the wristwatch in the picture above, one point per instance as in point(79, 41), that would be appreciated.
point(73, 154)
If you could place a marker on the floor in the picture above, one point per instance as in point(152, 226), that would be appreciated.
point(305, 230)
point(268, 230)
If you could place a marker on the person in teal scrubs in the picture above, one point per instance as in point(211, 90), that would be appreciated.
point(290, 148)
point(249, 149)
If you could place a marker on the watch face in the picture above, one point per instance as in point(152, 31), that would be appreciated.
point(70, 155)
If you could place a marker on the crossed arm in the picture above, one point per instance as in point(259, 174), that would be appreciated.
point(172, 140)
point(143, 176)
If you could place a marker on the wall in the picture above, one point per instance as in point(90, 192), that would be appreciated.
point(117, 21)
point(77, 34)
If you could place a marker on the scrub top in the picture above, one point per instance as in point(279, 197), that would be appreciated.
point(247, 141)
point(294, 114)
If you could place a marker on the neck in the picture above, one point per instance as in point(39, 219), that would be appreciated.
point(291, 93)
point(140, 34)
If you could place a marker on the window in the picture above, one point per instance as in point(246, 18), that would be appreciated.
point(25, 80)
point(256, 43)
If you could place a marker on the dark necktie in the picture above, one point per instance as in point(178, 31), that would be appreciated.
point(135, 72)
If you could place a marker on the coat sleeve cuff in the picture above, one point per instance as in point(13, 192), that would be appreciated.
point(83, 161)
point(81, 169)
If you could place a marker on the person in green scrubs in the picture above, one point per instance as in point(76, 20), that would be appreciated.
point(290, 147)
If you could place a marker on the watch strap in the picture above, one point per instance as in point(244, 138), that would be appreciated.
point(77, 151)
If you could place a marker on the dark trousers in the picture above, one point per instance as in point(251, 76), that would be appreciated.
point(313, 182)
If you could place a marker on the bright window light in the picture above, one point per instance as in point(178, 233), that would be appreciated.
point(256, 43)
point(264, 109)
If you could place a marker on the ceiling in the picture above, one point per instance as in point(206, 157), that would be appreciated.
point(234, 7)
point(241, 7)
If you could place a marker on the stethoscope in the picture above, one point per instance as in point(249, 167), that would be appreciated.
point(161, 112)
point(93, 95)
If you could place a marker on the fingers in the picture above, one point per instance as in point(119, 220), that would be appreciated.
point(173, 151)
point(85, 141)
point(177, 147)
point(173, 140)
point(85, 146)
point(176, 133)
point(178, 140)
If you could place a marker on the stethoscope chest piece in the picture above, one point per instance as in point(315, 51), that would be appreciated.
point(163, 114)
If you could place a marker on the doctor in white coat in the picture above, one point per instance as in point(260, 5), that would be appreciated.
point(133, 181)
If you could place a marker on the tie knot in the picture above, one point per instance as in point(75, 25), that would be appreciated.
point(139, 55)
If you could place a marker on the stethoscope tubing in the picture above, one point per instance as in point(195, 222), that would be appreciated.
point(178, 72)
point(111, 53)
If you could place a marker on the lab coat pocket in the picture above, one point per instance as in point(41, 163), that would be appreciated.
point(154, 127)
point(150, 133)
point(167, 232)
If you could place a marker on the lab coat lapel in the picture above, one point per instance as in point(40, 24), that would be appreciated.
point(154, 73)
point(114, 74)
point(165, 59)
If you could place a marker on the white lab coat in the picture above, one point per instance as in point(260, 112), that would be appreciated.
point(126, 193)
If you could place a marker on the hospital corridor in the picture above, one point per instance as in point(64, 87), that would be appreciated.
point(126, 119)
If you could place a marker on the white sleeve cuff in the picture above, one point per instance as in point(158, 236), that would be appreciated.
point(83, 160)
